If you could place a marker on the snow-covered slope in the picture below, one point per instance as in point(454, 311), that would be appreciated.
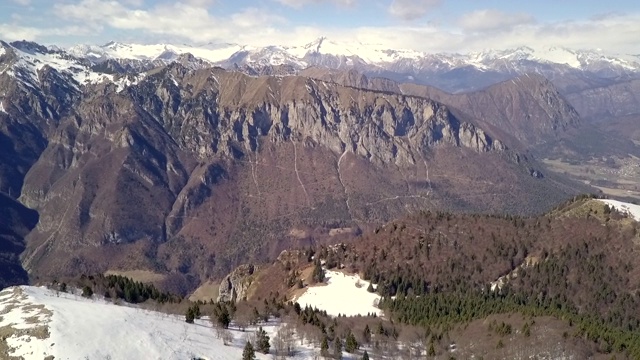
point(39, 322)
point(632, 210)
point(27, 59)
point(342, 294)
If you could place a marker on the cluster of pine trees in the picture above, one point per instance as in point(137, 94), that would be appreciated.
point(120, 287)
point(193, 312)
point(436, 269)
point(137, 292)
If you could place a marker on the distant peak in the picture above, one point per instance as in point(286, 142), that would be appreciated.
point(113, 45)
point(29, 46)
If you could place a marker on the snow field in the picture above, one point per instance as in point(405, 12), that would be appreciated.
point(631, 209)
point(342, 294)
point(82, 328)
point(41, 322)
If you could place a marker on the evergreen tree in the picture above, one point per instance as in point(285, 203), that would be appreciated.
point(222, 316)
point(365, 356)
point(337, 348)
point(324, 346)
point(248, 353)
point(262, 340)
point(350, 344)
point(189, 316)
point(367, 334)
point(87, 291)
point(318, 272)
point(370, 288)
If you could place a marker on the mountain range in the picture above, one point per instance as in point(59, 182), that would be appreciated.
point(449, 72)
point(189, 161)
point(427, 188)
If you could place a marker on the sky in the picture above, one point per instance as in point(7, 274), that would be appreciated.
point(422, 25)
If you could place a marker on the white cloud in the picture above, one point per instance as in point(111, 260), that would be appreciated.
point(412, 9)
point(300, 3)
point(179, 20)
point(614, 34)
point(201, 3)
point(22, 2)
point(12, 32)
point(487, 20)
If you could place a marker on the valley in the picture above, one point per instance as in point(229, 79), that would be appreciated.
point(615, 177)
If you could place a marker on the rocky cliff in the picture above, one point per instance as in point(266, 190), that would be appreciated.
point(235, 286)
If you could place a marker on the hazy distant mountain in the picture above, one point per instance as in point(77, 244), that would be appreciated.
point(449, 72)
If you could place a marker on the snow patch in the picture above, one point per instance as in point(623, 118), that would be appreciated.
point(128, 80)
point(342, 294)
point(632, 210)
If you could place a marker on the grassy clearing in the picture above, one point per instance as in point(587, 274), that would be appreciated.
point(207, 291)
point(143, 276)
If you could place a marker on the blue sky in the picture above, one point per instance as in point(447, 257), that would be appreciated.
point(425, 25)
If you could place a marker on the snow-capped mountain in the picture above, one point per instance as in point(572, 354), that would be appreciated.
point(114, 50)
point(370, 54)
point(452, 72)
point(569, 69)
point(27, 61)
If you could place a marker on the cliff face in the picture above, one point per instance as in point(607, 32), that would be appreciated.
point(196, 171)
point(211, 111)
point(235, 286)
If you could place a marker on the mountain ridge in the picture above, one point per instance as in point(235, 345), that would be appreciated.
point(189, 171)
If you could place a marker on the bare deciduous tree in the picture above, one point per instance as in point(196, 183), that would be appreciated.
point(227, 337)
point(284, 342)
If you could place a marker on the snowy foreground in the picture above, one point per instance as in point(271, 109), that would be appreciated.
point(343, 294)
point(43, 323)
point(631, 209)
point(39, 322)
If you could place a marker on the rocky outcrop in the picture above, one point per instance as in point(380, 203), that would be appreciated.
point(234, 287)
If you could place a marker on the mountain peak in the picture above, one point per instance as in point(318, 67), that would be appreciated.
point(30, 47)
